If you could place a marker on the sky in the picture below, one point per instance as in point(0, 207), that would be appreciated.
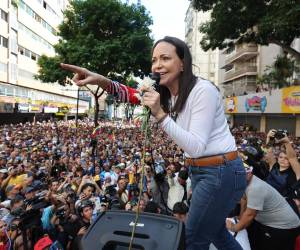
point(168, 17)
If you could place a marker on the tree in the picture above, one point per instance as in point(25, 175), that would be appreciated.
point(279, 73)
point(105, 36)
point(262, 22)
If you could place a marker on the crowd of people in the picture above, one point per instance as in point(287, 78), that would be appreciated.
point(54, 174)
point(56, 179)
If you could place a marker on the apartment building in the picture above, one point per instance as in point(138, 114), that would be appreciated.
point(242, 63)
point(205, 63)
point(28, 29)
point(263, 110)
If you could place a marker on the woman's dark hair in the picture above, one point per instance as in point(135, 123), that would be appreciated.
point(180, 208)
point(88, 184)
point(187, 79)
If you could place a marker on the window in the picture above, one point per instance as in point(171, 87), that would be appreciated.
point(3, 67)
point(21, 50)
point(230, 50)
point(38, 18)
point(229, 67)
point(34, 15)
point(9, 91)
point(35, 37)
point(29, 11)
point(44, 23)
point(33, 56)
point(4, 15)
point(4, 42)
point(27, 52)
point(13, 67)
point(22, 5)
point(14, 41)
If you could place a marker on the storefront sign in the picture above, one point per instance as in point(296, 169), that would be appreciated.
point(50, 109)
point(256, 103)
point(231, 105)
point(80, 110)
point(35, 108)
point(23, 107)
point(291, 100)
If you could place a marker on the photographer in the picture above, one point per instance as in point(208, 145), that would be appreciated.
point(63, 225)
point(252, 154)
point(160, 187)
point(284, 174)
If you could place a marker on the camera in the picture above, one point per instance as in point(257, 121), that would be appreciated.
point(159, 171)
point(280, 133)
point(159, 167)
point(60, 213)
point(252, 149)
point(111, 190)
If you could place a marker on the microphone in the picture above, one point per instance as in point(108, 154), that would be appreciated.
point(156, 77)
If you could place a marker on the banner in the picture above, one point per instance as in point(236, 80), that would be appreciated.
point(35, 108)
point(231, 104)
point(291, 100)
point(50, 109)
point(23, 107)
point(256, 103)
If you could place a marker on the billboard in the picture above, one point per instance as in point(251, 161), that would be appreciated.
point(291, 100)
point(277, 101)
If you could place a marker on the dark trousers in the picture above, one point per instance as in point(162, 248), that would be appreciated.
point(262, 237)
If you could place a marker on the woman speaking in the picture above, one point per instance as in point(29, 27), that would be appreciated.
point(190, 111)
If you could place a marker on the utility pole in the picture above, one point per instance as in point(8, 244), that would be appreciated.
point(77, 107)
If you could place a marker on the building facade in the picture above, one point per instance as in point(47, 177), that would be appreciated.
point(205, 63)
point(28, 29)
point(242, 63)
point(235, 70)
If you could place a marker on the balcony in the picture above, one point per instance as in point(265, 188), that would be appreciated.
point(231, 75)
point(245, 54)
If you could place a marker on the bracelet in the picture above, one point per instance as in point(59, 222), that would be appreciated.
point(233, 229)
point(162, 119)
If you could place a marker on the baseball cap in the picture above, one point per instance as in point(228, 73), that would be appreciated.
point(29, 189)
point(43, 243)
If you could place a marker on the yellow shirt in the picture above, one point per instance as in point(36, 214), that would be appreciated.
point(17, 180)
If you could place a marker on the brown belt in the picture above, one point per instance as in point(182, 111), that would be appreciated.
point(211, 160)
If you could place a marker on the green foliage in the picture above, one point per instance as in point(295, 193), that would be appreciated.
point(280, 73)
point(50, 71)
point(262, 22)
point(132, 83)
point(15, 3)
point(105, 36)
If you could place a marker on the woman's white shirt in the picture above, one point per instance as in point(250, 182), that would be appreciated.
point(201, 128)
